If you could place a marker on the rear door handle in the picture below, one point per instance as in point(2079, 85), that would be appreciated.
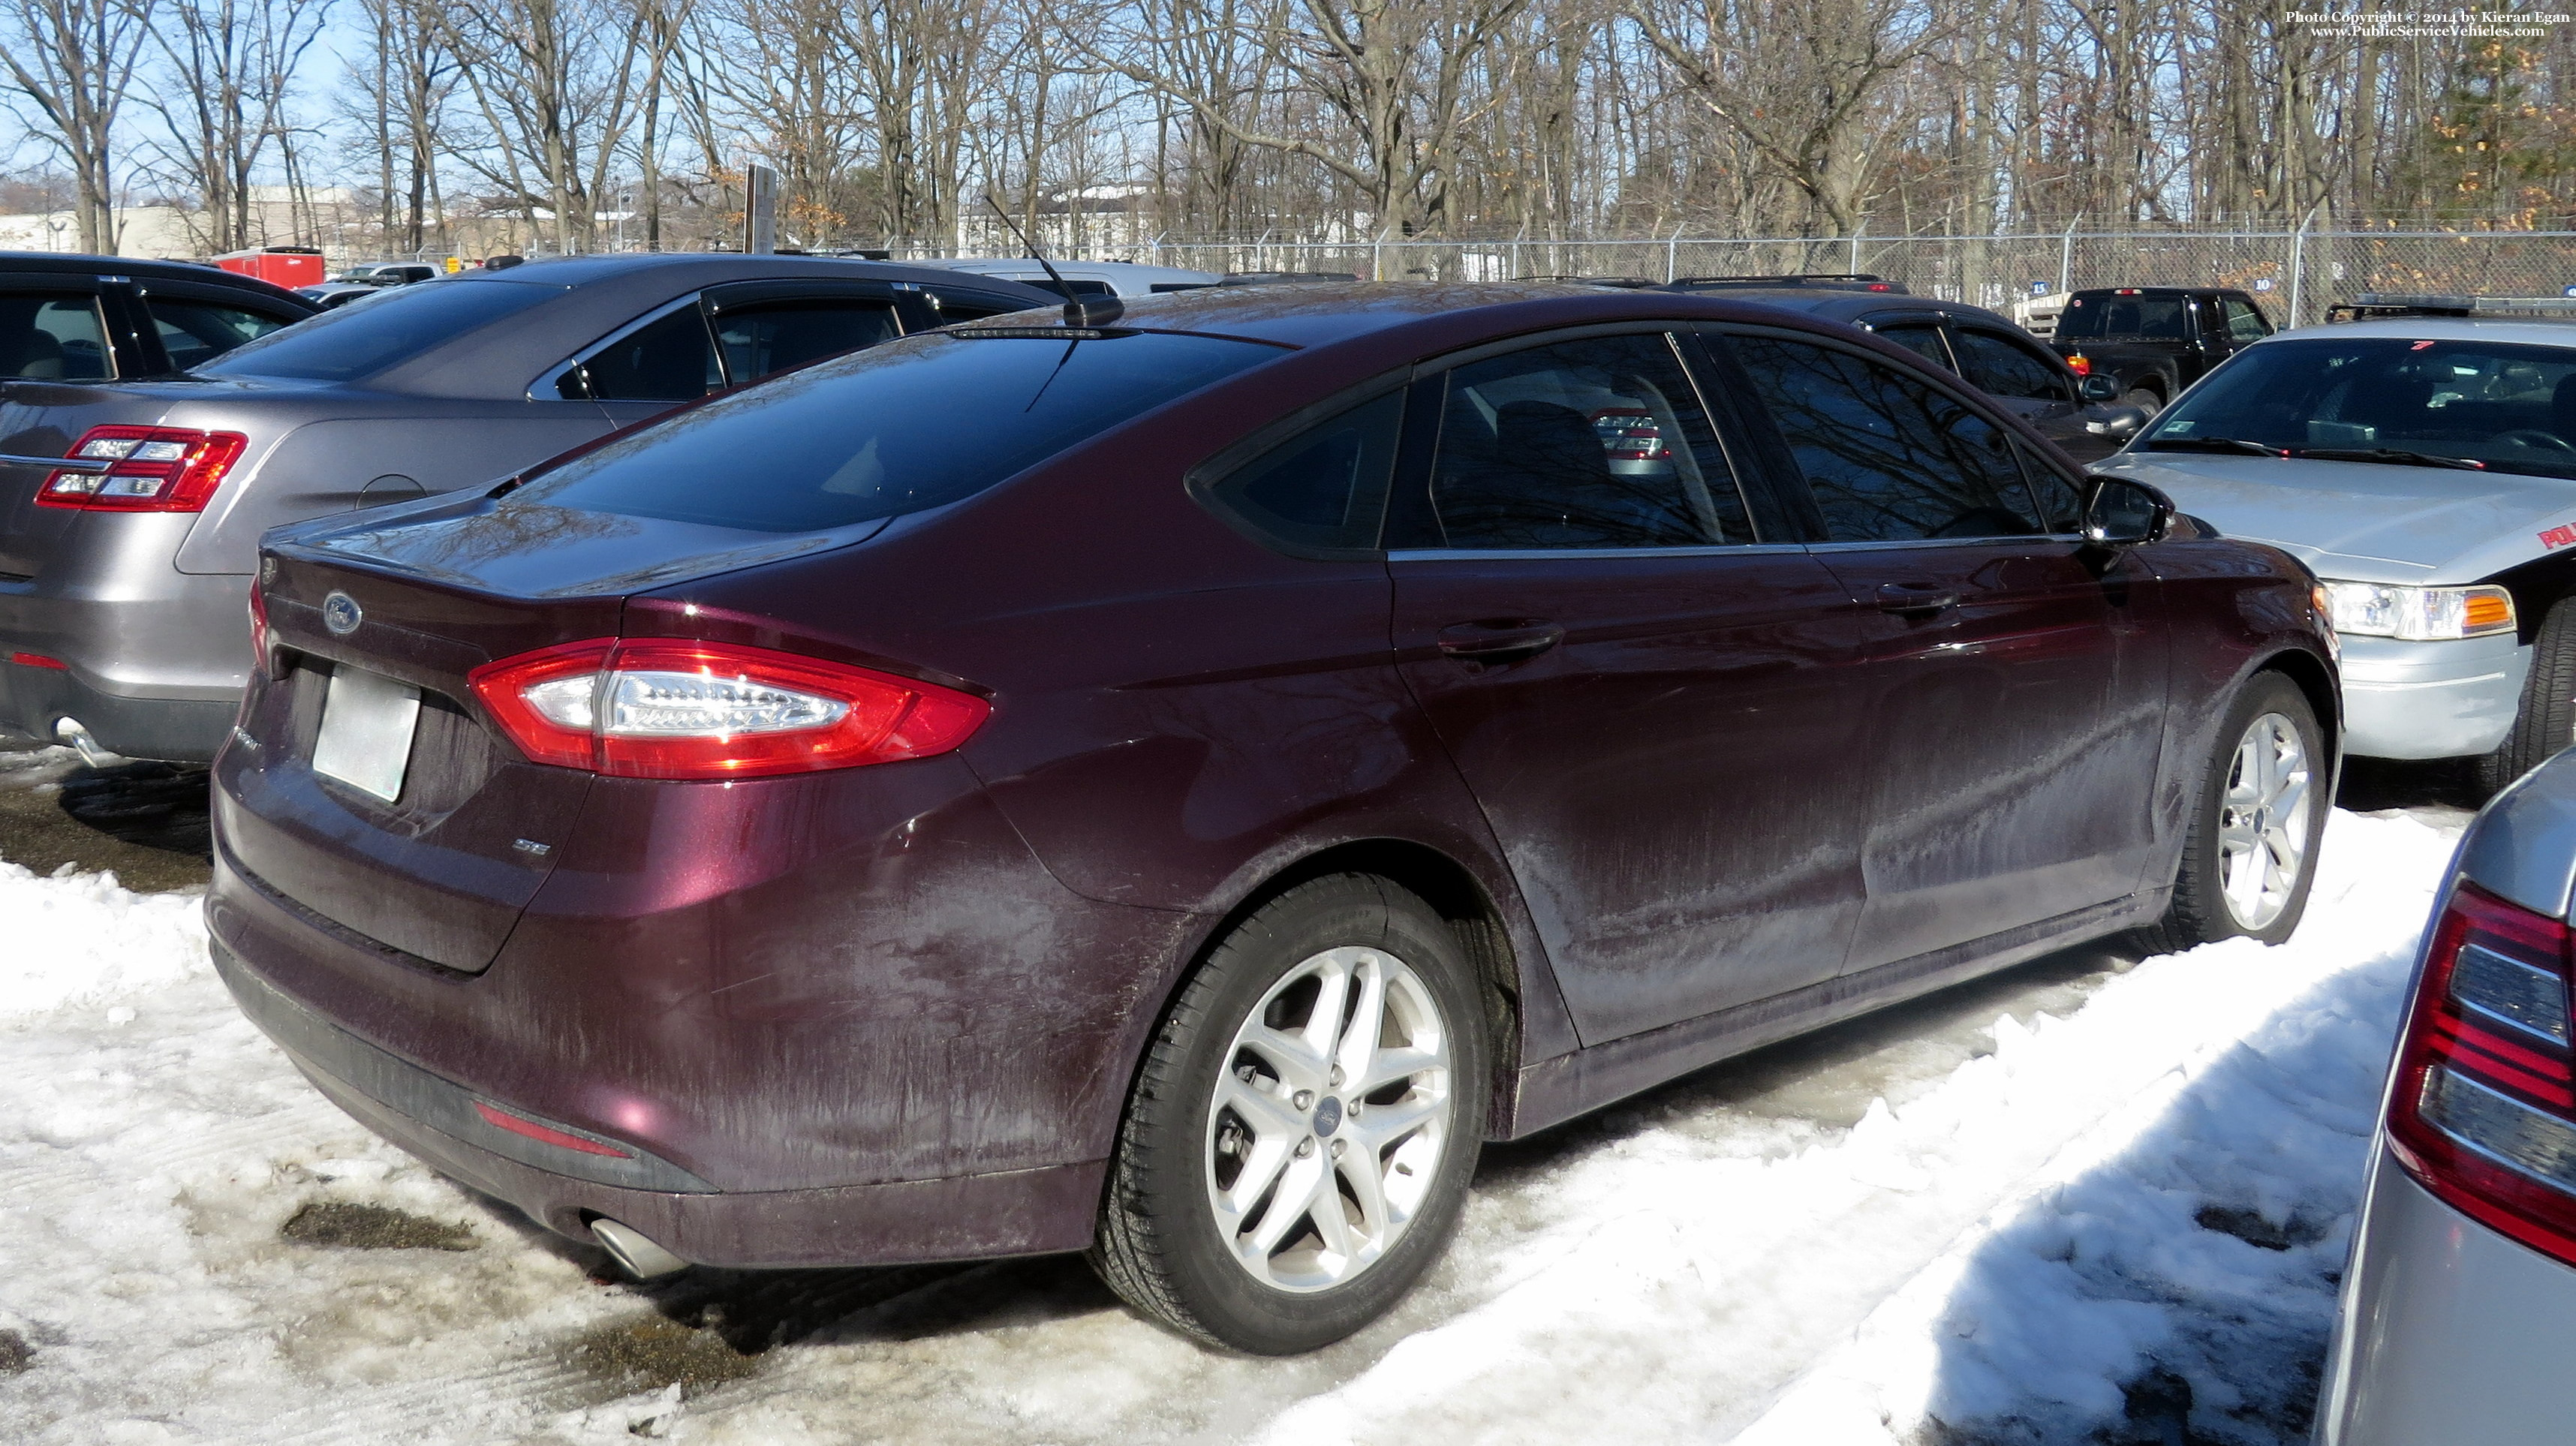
point(1916, 597)
point(1498, 642)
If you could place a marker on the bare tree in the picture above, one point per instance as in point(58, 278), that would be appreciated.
point(558, 84)
point(232, 64)
point(72, 63)
point(1393, 76)
point(1806, 97)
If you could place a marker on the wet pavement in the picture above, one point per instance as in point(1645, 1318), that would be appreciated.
point(145, 821)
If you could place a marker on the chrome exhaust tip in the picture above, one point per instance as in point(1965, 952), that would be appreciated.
point(634, 1253)
point(70, 731)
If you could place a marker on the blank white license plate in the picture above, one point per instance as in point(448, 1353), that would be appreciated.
point(365, 740)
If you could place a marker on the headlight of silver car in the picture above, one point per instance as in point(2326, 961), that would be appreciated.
point(2418, 614)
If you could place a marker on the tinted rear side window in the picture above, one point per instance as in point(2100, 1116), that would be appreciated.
point(196, 332)
point(896, 429)
point(376, 332)
point(1888, 458)
point(1324, 487)
point(52, 337)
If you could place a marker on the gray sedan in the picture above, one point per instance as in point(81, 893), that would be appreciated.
point(2460, 1297)
point(130, 511)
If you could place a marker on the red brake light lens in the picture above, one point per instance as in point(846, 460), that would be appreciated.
point(2484, 1112)
point(2081, 364)
point(676, 709)
point(151, 469)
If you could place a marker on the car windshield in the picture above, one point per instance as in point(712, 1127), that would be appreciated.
point(899, 428)
point(2510, 408)
point(349, 342)
point(2104, 315)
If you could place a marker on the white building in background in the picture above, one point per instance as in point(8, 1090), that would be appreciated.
point(331, 217)
point(140, 231)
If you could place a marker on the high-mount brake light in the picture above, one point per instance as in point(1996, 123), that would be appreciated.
point(2484, 1108)
point(150, 469)
point(672, 708)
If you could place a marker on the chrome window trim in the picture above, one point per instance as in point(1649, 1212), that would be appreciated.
point(1917, 542)
point(1572, 554)
point(540, 390)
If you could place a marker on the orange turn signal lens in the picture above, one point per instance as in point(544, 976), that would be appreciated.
point(2487, 610)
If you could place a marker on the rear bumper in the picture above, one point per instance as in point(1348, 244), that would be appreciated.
point(2430, 700)
point(957, 1218)
point(906, 1042)
point(33, 700)
point(156, 658)
point(2449, 1331)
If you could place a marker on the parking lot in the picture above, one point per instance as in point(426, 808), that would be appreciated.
point(202, 1249)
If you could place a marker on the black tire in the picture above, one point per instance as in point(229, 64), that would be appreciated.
point(2545, 722)
point(2200, 911)
point(1161, 1246)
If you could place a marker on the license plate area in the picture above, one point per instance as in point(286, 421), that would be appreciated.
point(365, 737)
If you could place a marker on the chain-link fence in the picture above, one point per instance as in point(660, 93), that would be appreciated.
point(2297, 275)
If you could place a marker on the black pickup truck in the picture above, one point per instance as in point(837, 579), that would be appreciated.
point(2155, 340)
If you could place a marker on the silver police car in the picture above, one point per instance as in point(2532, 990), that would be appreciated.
point(2423, 464)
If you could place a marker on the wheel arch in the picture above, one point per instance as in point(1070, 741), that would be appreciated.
point(2317, 684)
point(1452, 890)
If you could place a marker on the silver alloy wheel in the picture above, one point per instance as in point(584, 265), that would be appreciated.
point(1331, 1117)
point(2263, 822)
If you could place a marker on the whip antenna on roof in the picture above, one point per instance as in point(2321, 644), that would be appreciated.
point(1078, 311)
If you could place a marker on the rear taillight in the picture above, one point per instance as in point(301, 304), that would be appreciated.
point(2080, 364)
point(667, 708)
point(150, 469)
point(2484, 1110)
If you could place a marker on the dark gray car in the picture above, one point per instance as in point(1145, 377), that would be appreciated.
point(130, 511)
point(1994, 355)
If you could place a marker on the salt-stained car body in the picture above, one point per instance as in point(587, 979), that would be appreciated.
point(2432, 484)
point(123, 579)
point(1175, 788)
point(2460, 1295)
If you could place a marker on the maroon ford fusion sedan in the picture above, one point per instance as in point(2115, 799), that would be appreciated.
point(1174, 787)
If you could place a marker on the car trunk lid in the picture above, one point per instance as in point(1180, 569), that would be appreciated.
point(441, 869)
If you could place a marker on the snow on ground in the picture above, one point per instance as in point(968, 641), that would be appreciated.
point(2119, 1203)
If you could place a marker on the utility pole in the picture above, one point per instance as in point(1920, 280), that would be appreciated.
point(759, 210)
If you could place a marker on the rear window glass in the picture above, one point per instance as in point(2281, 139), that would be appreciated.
point(903, 427)
point(2104, 314)
point(375, 332)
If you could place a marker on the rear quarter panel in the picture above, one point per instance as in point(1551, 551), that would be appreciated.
point(1179, 713)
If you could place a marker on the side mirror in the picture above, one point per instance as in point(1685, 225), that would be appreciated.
point(2099, 388)
point(2123, 513)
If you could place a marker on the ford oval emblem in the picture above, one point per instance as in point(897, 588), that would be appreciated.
point(340, 613)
